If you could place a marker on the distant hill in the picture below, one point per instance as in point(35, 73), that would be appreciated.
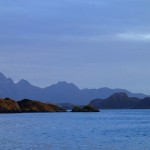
point(121, 101)
point(62, 92)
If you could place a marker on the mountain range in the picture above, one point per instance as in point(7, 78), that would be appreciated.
point(61, 92)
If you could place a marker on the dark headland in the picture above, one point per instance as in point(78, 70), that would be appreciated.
point(121, 101)
point(8, 105)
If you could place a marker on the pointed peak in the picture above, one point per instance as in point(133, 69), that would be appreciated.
point(64, 85)
point(23, 82)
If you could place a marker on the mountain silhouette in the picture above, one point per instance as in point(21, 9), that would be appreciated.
point(61, 92)
point(121, 101)
point(116, 101)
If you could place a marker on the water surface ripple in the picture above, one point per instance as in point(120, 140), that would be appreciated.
point(107, 130)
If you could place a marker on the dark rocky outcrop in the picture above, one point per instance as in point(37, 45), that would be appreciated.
point(9, 106)
point(27, 105)
point(87, 108)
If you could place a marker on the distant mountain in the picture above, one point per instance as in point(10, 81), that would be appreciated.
point(62, 92)
point(25, 90)
point(121, 101)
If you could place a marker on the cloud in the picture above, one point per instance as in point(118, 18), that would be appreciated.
point(143, 37)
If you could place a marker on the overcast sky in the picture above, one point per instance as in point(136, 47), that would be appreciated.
point(91, 43)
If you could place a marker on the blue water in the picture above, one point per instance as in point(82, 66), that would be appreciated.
point(107, 130)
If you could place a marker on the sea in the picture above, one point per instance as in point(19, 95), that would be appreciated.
point(106, 130)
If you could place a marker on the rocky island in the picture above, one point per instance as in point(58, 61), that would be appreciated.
point(86, 108)
point(8, 105)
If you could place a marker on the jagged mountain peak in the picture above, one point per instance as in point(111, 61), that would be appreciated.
point(23, 82)
point(5, 81)
point(64, 84)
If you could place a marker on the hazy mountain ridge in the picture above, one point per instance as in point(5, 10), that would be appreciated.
point(62, 92)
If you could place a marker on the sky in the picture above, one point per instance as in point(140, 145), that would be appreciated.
point(91, 43)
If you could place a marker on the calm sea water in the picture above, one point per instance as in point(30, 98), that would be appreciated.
point(107, 130)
